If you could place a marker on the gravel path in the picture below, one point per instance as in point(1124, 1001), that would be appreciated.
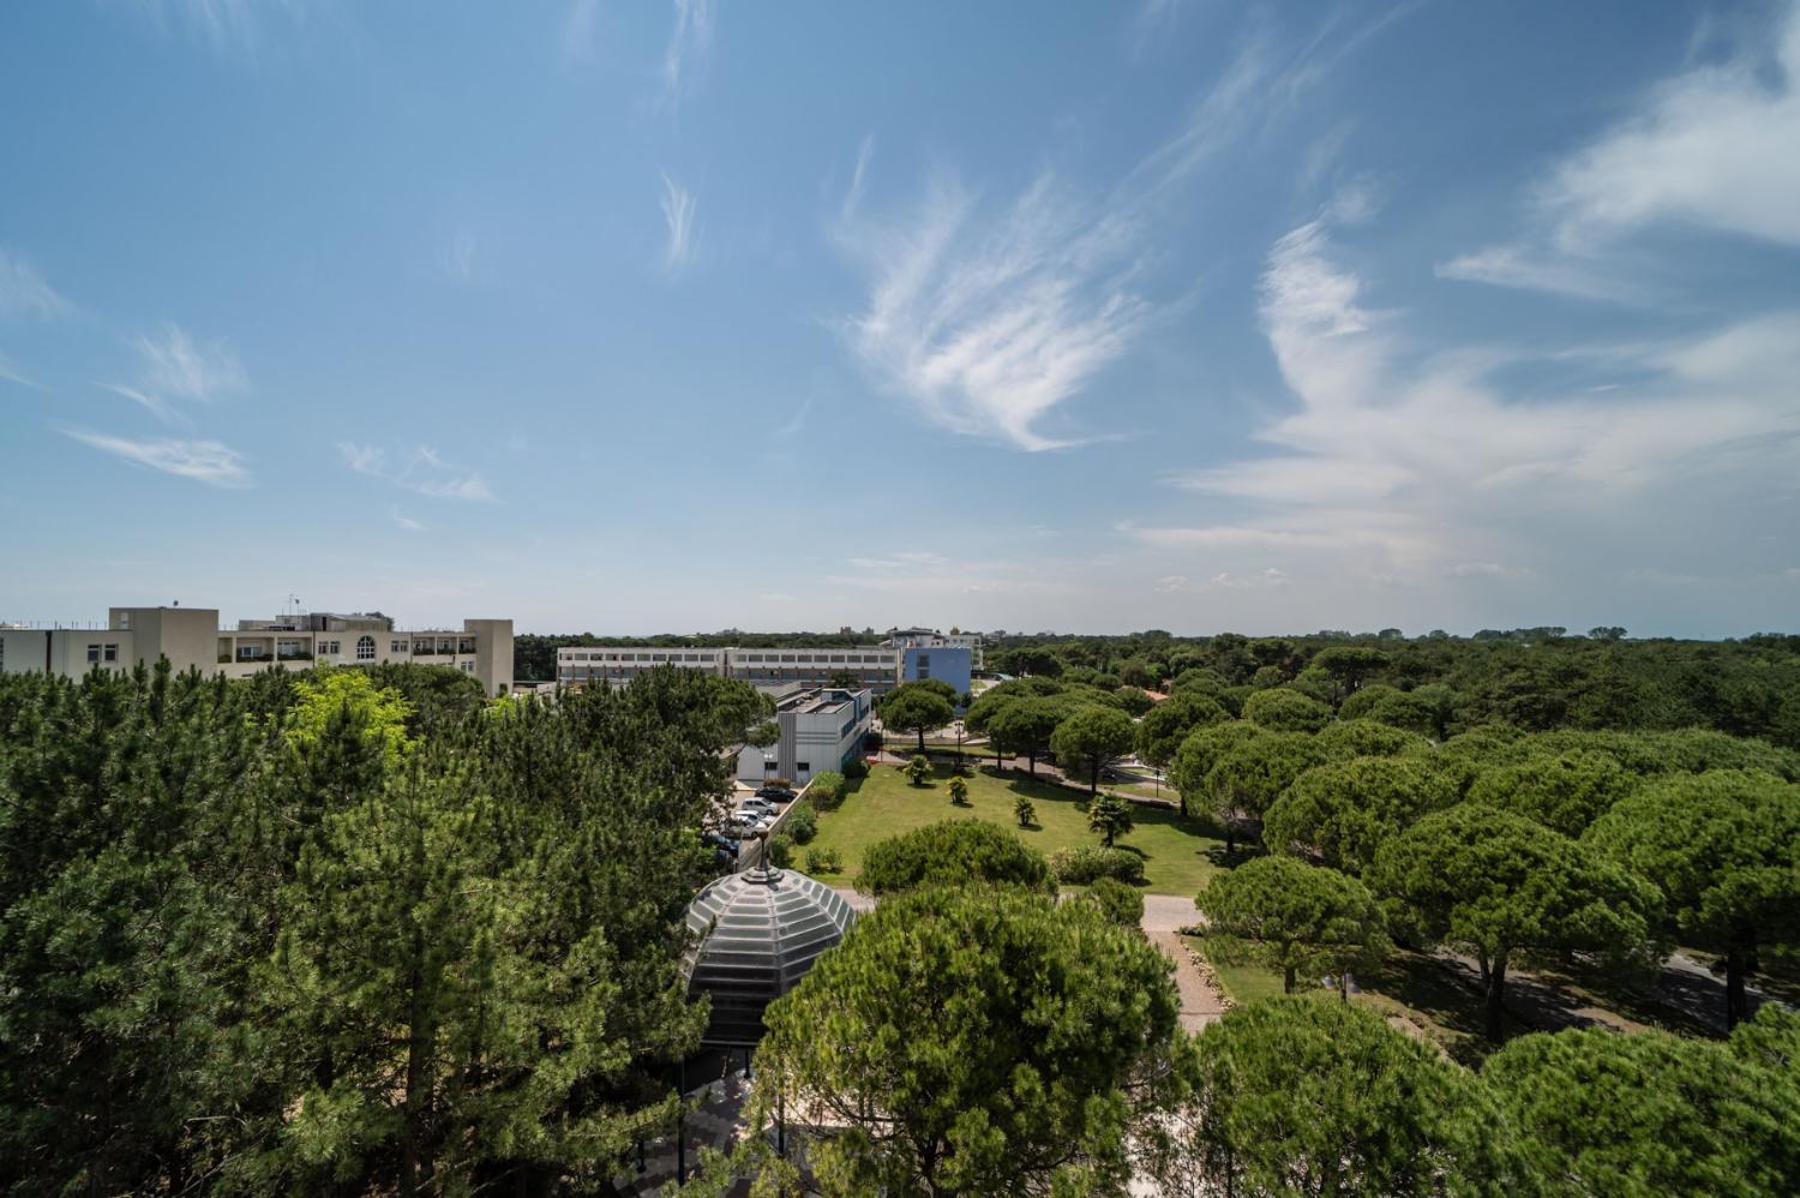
point(1201, 1002)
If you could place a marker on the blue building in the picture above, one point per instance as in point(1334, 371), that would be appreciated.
point(946, 663)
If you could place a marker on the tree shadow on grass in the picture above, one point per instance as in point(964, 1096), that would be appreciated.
point(1425, 984)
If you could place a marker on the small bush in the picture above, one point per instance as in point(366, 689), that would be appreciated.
point(802, 824)
point(1080, 866)
point(827, 790)
point(959, 792)
point(781, 851)
point(856, 769)
point(1025, 811)
point(918, 770)
point(824, 861)
point(956, 852)
point(1117, 901)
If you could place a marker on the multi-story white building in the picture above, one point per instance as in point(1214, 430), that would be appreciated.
point(874, 668)
point(190, 637)
point(820, 730)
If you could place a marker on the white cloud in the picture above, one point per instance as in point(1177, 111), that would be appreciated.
point(578, 30)
point(689, 43)
point(678, 206)
point(155, 404)
point(23, 291)
point(1561, 272)
point(1409, 464)
point(10, 373)
point(175, 365)
point(865, 153)
point(232, 27)
point(406, 523)
point(1712, 148)
point(421, 469)
point(458, 256)
point(988, 322)
point(204, 461)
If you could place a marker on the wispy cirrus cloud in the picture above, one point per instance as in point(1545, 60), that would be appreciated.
point(174, 367)
point(23, 291)
point(690, 41)
point(1711, 149)
point(232, 28)
point(421, 469)
point(989, 316)
point(1421, 463)
point(10, 373)
point(406, 523)
point(682, 241)
point(209, 462)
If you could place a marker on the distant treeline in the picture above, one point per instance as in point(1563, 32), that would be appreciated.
point(1534, 679)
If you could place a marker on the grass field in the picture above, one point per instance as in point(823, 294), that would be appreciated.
point(1178, 854)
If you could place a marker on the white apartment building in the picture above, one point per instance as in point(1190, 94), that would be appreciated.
point(190, 637)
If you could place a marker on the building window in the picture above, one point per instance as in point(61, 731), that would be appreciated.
point(111, 653)
point(365, 648)
point(93, 654)
point(328, 647)
point(396, 646)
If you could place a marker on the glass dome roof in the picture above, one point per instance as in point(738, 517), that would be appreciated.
point(759, 932)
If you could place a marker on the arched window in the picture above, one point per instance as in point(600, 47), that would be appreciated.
point(365, 648)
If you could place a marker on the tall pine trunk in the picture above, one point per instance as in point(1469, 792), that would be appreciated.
point(1496, 996)
point(1737, 1000)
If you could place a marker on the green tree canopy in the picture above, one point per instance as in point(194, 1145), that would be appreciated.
point(1088, 739)
point(1294, 918)
point(1026, 726)
point(1341, 814)
point(1723, 848)
point(1283, 710)
point(951, 853)
point(917, 707)
point(1296, 1096)
point(1249, 778)
point(1202, 749)
point(1344, 739)
point(1349, 665)
point(973, 1042)
point(1566, 792)
point(1495, 884)
point(1648, 1113)
point(1163, 728)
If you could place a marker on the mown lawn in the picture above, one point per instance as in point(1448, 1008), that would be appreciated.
point(1178, 853)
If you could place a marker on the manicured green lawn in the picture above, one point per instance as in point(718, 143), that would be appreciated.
point(1178, 854)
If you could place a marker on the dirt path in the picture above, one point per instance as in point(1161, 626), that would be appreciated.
point(1201, 1002)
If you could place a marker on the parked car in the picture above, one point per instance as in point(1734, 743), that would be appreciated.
point(755, 818)
point(759, 804)
point(780, 794)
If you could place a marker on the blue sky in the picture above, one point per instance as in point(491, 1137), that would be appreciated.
point(642, 317)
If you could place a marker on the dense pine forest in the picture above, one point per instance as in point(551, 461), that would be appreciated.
point(345, 932)
point(365, 931)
